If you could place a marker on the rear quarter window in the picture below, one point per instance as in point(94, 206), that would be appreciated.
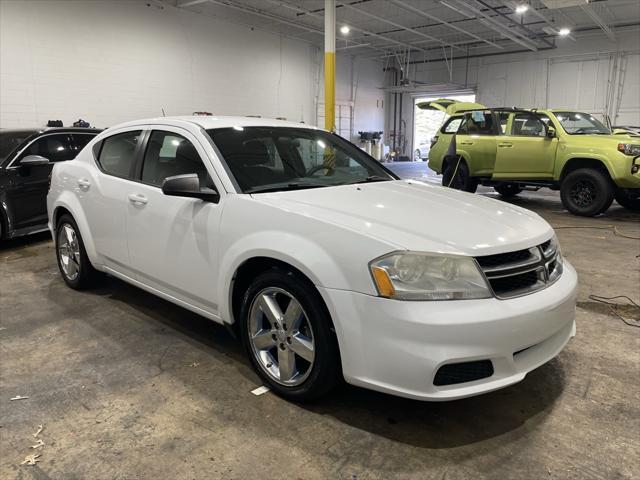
point(452, 125)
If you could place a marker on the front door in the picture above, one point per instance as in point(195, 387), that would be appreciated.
point(525, 151)
point(173, 241)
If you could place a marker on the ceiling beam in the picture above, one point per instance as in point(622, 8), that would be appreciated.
point(417, 11)
point(589, 10)
point(408, 29)
point(366, 33)
point(492, 24)
point(190, 3)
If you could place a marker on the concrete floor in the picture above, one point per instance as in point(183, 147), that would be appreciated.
point(129, 386)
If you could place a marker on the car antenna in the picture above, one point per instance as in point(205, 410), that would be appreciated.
point(163, 113)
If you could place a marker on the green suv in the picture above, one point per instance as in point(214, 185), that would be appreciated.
point(514, 149)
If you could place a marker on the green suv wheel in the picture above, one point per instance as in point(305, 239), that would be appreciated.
point(626, 200)
point(508, 189)
point(586, 192)
point(456, 175)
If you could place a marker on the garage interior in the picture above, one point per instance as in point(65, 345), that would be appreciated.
point(118, 383)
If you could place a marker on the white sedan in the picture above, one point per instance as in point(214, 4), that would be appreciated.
point(321, 260)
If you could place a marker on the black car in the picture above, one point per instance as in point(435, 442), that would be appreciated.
point(26, 160)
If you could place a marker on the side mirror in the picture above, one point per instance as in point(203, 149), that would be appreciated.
point(34, 161)
point(551, 132)
point(188, 185)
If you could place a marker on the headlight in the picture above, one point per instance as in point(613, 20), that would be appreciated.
point(426, 276)
point(629, 148)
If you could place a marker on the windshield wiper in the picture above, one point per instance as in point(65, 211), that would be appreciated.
point(282, 188)
point(372, 178)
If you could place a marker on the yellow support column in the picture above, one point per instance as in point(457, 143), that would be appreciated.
point(330, 65)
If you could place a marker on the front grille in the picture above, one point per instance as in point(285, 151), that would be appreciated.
point(522, 272)
point(463, 372)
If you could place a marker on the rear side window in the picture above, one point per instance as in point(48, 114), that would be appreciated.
point(477, 123)
point(117, 155)
point(169, 154)
point(80, 140)
point(452, 125)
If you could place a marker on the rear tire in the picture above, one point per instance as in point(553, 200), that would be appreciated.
point(456, 175)
point(270, 339)
point(508, 189)
point(586, 192)
point(73, 262)
point(625, 200)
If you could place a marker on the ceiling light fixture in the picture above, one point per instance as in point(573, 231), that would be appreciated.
point(522, 8)
point(564, 32)
point(344, 29)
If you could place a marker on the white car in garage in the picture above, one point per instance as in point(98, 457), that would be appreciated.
point(321, 260)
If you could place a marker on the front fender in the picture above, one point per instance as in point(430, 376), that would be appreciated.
point(584, 155)
point(302, 253)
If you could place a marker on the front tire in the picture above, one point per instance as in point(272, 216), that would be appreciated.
point(456, 175)
point(508, 189)
point(627, 201)
point(73, 262)
point(586, 192)
point(288, 335)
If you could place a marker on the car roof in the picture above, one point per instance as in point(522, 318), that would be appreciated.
point(217, 121)
point(51, 129)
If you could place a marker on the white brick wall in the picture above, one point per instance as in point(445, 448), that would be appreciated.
point(112, 61)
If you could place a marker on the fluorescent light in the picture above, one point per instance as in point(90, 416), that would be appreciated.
point(344, 29)
point(522, 8)
point(564, 32)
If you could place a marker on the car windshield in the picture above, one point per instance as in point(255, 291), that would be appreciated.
point(267, 159)
point(11, 140)
point(577, 123)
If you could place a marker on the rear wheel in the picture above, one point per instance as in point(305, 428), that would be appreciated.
point(73, 262)
point(456, 175)
point(288, 335)
point(586, 192)
point(508, 189)
point(628, 200)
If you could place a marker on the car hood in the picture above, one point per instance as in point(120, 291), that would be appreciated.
point(412, 215)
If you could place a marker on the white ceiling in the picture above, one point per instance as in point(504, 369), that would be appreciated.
point(427, 29)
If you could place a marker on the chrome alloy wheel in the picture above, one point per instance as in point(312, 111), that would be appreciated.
point(281, 336)
point(68, 251)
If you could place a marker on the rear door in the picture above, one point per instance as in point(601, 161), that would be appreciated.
point(173, 240)
point(525, 151)
point(103, 193)
point(27, 194)
point(476, 141)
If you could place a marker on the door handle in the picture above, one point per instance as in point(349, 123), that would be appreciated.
point(505, 145)
point(84, 184)
point(466, 143)
point(137, 199)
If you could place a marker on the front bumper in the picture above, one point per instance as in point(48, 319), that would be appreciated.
point(398, 346)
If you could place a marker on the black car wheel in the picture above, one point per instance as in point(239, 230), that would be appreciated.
point(586, 192)
point(508, 189)
point(287, 332)
point(73, 262)
point(628, 200)
point(456, 175)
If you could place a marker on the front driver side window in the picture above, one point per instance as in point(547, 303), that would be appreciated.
point(528, 125)
point(169, 154)
point(56, 148)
